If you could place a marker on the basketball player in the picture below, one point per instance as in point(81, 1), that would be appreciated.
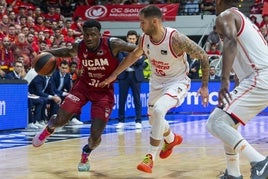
point(245, 50)
point(166, 50)
point(97, 58)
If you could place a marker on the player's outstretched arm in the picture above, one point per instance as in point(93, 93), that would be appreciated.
point(128, 61)
point(64, 52)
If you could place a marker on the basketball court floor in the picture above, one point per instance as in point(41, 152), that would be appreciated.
point(200, 156)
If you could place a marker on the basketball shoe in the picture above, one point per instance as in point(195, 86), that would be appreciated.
point(147, 164)
point(40, 138)
point(83, 165)
point(227, 176)
point(259, 170)
point(167, 147)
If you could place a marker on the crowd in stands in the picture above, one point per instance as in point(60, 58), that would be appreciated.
point(28, 27)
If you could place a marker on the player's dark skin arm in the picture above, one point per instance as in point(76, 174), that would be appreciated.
point(64, 52)
point(119, 45)
point(226, 25)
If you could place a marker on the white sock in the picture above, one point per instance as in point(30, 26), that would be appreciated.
point(249, 152)
point(153, 151)
point(232, 162)
point(170, 137)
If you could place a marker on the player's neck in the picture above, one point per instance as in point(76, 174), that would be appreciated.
point(159, 34)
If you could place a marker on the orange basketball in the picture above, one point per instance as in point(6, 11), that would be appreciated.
point(44, 63)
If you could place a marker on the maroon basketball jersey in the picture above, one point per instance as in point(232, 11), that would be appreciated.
point(97, 65)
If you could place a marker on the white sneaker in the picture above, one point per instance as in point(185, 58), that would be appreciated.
point(42, 123)
point(32, 126)
point(138, 125)
point(75, 121)
point(120, 125)
point(39, 125)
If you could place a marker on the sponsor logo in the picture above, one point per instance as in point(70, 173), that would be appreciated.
point(2, 108)
point(260, 172)
point(96, 12)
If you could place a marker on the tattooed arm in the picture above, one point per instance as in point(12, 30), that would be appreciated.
point(181, 43)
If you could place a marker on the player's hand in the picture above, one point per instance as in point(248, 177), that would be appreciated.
point(203, 91)
point(56, 99)
point(107, 81)
point(224, 95)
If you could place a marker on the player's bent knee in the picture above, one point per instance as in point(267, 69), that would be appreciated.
point(212, 122)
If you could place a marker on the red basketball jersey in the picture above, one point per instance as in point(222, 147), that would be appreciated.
point(97, 65)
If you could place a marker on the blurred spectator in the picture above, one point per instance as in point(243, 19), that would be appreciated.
point(70, 36)
point(22, 48)
point(264, 21)
point(42, 87)
point(6, 58)
point(61, 82)
point(194, 66)
point(213, 38)
point(52, 15)
point(30, 38)
point(12, 17)
point(4, 24)
point(39, 25)
point(254, 20)
point(207, 7)
point(213, 50)
point(77, 25)
point(35, 107)
point(212, 74)
point(67, 9)
point(74, 72)
point(17, 73)
point(191, 7)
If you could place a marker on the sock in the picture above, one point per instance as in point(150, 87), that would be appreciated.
point(153, 151)
point(232, 162)
point(49, 130)
point(87, 149)
point(170, 137)
point(244, 148)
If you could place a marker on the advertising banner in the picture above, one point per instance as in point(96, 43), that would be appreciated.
point(13, 106)
point(122, 12)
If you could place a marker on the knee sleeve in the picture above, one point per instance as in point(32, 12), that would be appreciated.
point(158, 125)
point(221, 125)
point(158, 112)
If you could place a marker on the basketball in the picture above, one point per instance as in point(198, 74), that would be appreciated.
point(44, 63)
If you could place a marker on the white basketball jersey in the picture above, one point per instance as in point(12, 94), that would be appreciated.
point(166, 66)
point(252, 53)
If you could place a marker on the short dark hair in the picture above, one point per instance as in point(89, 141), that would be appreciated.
point(132, 32)
point(92, 23)
point(151, 11)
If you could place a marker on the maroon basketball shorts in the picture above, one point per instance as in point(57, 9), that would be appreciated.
point(102, 101)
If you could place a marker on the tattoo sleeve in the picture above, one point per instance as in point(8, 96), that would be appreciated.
point(181, 43)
